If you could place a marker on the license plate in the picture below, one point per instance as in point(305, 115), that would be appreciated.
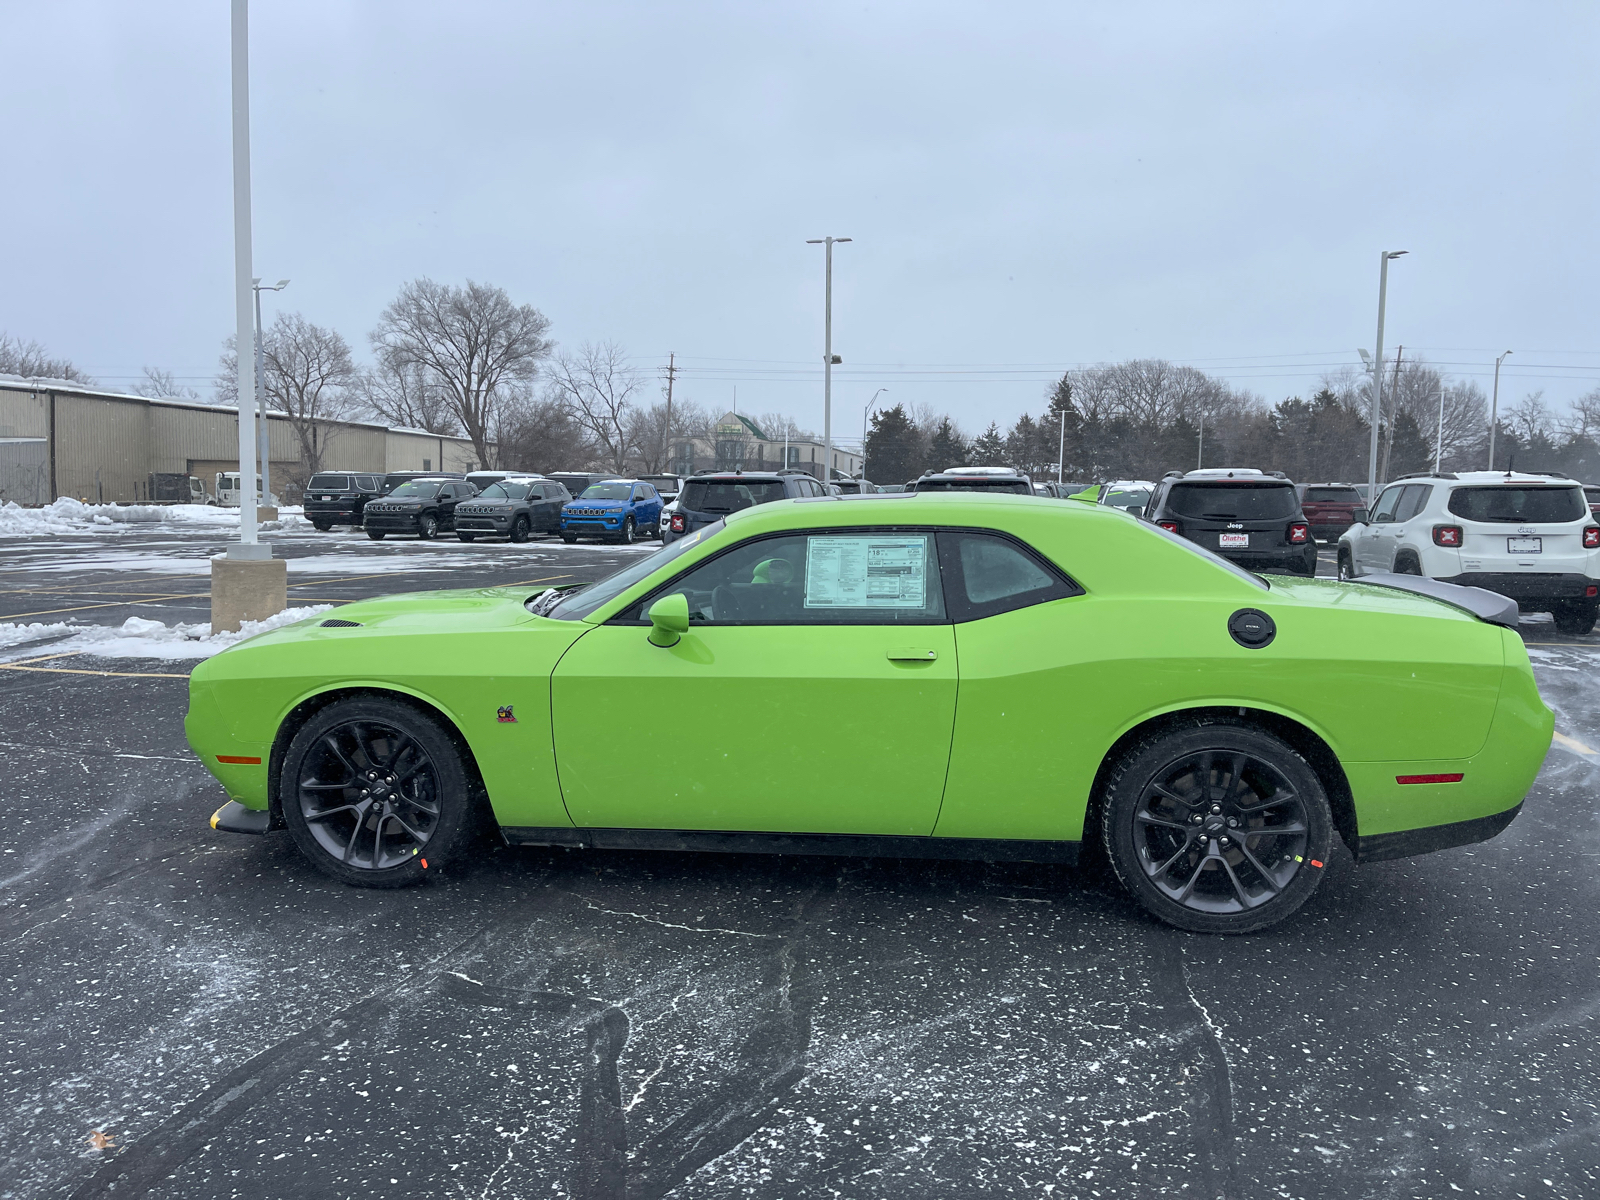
point(1524, 545)
point(1233, 541)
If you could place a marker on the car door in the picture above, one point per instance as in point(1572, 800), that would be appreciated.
point(1374, 549)
point(814, 692)
point(648, 514)
point(1405, 529)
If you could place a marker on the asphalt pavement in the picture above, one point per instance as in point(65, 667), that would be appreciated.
point(189, 1014)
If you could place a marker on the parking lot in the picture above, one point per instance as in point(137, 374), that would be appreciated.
point(189, 1014)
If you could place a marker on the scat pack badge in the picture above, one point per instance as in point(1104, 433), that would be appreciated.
point(505, 716)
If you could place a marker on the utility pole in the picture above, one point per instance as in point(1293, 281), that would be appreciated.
point(828, 357)
point(1200, 454)
point(1438, 445)
point(666, 433)
point(1394, 419)
point(261, 391)
point(1494, 408)
point(1377, 374)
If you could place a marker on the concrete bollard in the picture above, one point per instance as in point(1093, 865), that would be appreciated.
point(247, 589)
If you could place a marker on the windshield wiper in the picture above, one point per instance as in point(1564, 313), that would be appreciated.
point(541, 604)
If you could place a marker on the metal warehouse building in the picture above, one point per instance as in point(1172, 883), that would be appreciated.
point(60, 440)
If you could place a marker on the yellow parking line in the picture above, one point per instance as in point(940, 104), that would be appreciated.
point(45, 612)
point(1573, 744)
point(45, 658)
point(85, 671)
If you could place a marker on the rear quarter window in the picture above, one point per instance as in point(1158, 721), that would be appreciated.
point(1519, 505)
point(329, 483)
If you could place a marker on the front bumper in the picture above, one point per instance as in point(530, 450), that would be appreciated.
point(1528, 588)
point(391, 522)
point(483, 524)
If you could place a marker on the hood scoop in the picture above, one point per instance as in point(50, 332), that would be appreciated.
point(337, 623)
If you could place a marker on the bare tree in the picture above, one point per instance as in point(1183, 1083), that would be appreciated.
point(32, 361)
point(308, 369)
point(541, 434)
point(1530, 419)
point(653, 442)
point(597, 386)
point(472, 339)
point(404, 394)
point(159, 384)
point(1583, 421)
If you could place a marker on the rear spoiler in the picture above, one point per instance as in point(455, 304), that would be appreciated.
point(1480, 602)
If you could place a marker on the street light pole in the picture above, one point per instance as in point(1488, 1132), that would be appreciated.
point(1377, 374)
point(827, 355)
point(261, 392)
point(865, 413)
point(1438, 446)
point(1494, 408)
point(1061, 446)
point(242, 278)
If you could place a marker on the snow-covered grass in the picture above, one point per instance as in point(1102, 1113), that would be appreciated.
point(67, 515)
point(137, 637)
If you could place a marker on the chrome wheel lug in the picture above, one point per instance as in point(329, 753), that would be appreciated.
point(1216, 808)
point(1223, 841)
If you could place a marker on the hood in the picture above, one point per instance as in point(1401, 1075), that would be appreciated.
point(596, 504)
point(466, 610)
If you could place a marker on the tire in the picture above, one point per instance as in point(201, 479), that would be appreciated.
point(466, 537)
point(1347, 567)
point(519, 530)
point(1167, 810)
point(367, 840)
point(321, 526)
point(1575, 620)
point(569, 538)
point(376, 535)
point(628, 533)
point(1407, 564)
point(427, 527)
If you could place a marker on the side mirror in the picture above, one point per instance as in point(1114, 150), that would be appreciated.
point(669, 620)
point(1358, 516)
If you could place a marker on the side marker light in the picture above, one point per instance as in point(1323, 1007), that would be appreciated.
point(239, 759)
point(1455, 778)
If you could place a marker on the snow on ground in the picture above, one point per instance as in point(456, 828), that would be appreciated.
point(137, 637)
point(69, 516)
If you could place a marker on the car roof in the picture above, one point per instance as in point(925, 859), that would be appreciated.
point(762, 475)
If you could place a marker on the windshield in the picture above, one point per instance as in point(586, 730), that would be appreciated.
point(726, 496)
point(576, 603)
point(1332, 495)
point(1128, 497)
point(975, 484)
point(1528, 505)
point(1232, 501)
point(665, 484)
point(606, 491)
point(329, 483)
point(505, 491)
point(417, 487)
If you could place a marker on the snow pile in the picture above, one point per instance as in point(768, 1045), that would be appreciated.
point(67, 515)
point(139, 637)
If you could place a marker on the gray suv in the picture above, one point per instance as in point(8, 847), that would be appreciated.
point(706, 499)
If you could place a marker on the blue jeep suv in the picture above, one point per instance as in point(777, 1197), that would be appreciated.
point(620, 510)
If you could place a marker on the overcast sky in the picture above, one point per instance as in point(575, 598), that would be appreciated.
point(1029, 186)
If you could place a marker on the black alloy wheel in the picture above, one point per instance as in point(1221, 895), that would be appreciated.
point(1219, 827)
point(375, 793)
point(375, 534)
point(1575, 619)
point(627, 535)
point(427, 527)
point(519, 530)
point(1347, 570)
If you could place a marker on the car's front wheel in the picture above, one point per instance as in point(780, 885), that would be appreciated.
point(1217, 826)
point(375, 792)
point(322, 526)
point(1575, 620)
point(427, 527)
point(629, 532)
point(519, 530)
point(375, 534)
point(1347, 568)
point(466, 537)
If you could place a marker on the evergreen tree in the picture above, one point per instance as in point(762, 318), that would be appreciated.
point(990, 448)
point(1410, 451)
point(947, 448)
point(893, 446)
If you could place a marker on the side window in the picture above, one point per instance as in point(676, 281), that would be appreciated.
point(1386, 505)
point(1413, 502)
point(866, 577)
point(986, 574)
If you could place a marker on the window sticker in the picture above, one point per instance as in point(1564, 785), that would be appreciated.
point(866, 572)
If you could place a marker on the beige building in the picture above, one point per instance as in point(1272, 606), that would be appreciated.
point(60, 440)
point(737, 443)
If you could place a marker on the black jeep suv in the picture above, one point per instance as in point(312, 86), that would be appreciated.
point(1246, 516)
point(420, 506)
point(706, 499)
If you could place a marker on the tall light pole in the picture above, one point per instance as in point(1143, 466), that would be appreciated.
point(828, 358)
point(1377, 374)
point(865, 413)
point(1494, 408)
point(261, 392)
point(1438, 445)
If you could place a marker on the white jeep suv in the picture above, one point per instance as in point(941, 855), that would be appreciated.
point(1529, 537)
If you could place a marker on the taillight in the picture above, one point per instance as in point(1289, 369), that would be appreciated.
point(1591, 537)
point(1447, 535)
point(1299, 534)
point(1591, 591)
point(1169, 526)
point(677, 522)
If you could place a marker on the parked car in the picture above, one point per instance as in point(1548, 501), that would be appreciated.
point(973, 479)
point(576, 481)
point(621, 510)
point(1329, 508)
point(1130, 495)
point(667, 486)
point(423, 506)
point(515, 508)
point(1532, 538)
point(855, 487)
point(1247, 516)
point(1234, 729)
point(395, 478)
point(482, 479)
point(1592, 495)
point(709, 498)
point(339, 498)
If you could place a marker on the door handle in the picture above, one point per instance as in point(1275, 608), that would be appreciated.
point(912, 655)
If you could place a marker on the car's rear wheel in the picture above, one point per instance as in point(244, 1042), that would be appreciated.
point(519, 529)
point(427, 527)
point(375, 534)
point(375, 793)
point(322, 526)
point(1347, 568)
point(1217, 827)
point(1576, 620)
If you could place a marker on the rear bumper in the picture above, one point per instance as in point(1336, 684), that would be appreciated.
point(338, 514)
point(1300, 561)
point(1330, 531)
point(1378, 847)
point(1529, 588)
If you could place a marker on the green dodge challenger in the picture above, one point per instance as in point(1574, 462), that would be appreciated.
point(934, 675)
